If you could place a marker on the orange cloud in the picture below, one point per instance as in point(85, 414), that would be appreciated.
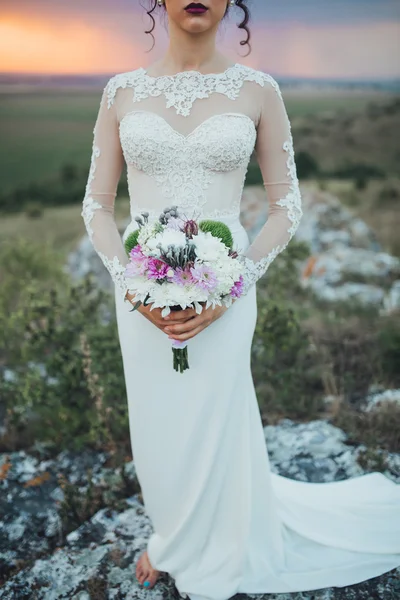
point(62, 46)
point(113, 42)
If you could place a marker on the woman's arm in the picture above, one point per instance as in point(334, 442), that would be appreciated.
point(98, 203)
point(275, 153)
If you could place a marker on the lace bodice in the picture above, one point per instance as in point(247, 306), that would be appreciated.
point(187, 140)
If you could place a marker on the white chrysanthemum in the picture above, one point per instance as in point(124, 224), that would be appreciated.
point(141, 286)
point(208, 247)
point(168, 237)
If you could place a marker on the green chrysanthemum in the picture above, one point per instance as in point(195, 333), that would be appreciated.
point(218, 230)
point(132, 240)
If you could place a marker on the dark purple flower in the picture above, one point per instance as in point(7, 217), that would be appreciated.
point(237, 288)
point(191, 228)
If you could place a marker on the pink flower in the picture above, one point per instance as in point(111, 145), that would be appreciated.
point(138, 264)
point(136, 251)
point(204, 277)
point(182, 276)
point(237, 288)
point(157, 269)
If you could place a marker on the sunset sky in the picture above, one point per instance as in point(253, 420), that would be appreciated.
point(352, 39)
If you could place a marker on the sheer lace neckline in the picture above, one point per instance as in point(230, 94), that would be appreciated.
point(183, 89)
point(191, 73)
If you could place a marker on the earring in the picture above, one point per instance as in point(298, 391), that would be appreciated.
point(232, 2)
point(160, 2)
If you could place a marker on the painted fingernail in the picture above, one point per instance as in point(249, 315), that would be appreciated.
point(146, 584)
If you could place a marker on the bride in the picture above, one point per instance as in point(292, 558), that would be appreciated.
point(186, 128)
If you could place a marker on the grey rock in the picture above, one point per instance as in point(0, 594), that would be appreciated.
point(102, 553)
point(392, 299)
point(375, 401)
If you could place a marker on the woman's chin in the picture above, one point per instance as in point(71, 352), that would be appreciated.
point(196, 28)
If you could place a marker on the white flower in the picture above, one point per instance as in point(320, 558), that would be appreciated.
point(208, 247)
point(146, 232)
point(168, 237)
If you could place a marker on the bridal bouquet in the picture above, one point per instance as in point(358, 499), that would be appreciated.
point(176, 263)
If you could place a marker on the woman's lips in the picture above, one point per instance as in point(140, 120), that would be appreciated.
point(196, 9)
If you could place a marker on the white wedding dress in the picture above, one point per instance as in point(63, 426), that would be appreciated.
point(223, 523)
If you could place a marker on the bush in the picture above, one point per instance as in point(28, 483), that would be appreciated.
point(64, 381)
point(307, 165)
point(34, 210)
point(254, 175)
point(361, 183)
point(357, 171)
point(389, 195)
point(377, 429)
point(286, 369)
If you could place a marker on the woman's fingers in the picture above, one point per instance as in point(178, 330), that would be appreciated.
point(180, 315)
point(185, 327)
point(190, 334)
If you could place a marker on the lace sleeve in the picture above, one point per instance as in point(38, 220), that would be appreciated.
point(275, 153)
point(98, 203)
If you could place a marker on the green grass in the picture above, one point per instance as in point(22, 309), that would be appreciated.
point(61, 227)
point(43, 132)
point(47, 129)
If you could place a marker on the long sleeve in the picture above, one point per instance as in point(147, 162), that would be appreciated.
point(98, 203)
point(275, 154)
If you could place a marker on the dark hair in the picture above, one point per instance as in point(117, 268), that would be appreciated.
point(243, 25)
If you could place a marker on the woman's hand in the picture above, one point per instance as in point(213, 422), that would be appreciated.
point(154, 316)
point(192, 326)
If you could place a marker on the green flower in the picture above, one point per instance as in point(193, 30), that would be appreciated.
point(132, 240)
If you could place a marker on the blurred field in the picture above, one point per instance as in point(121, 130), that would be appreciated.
point(44, 130)
point(61, 227)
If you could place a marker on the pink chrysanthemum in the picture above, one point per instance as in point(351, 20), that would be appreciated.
point(204, 277)
point(182, 276)
point(157, 269)
point(136, 251)
point(138, 262)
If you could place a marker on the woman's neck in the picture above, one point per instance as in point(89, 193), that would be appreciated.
point(187, 52)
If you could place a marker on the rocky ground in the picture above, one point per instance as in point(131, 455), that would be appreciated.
point(346, 261)
point(97, 560)
point(39, 560)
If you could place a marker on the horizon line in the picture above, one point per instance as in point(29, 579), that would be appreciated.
point(344, 78)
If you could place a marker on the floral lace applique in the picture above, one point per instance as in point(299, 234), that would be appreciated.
point(117, 272)
point(292, 203)
point(89, 205)
point(183, 89)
